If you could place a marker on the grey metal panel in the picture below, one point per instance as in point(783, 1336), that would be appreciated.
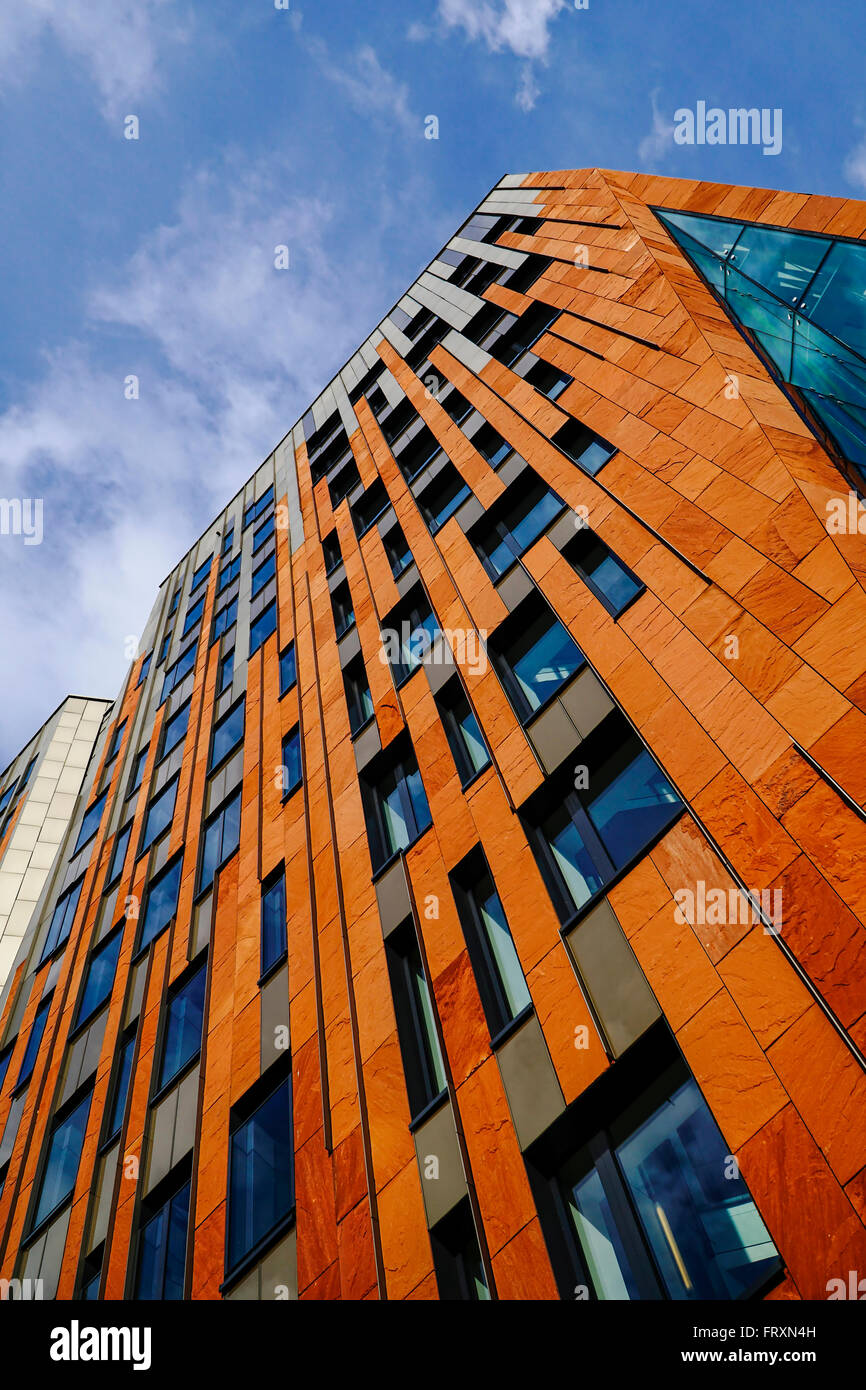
point(614, 981)
point(345, 407)
point(368, 349)
point(515, 587)
point(13, 1119)
point(162, 1123)
point(488, 251)
point(515, 208)
point(511, 194)
point(136, 993)
point(442, 269)
point(534, 1094)
point(43, 1259)
point(274, 1018)
point(349, 646)
point(469, 512)
point(511, 469)
point(392, 895)
point(472, 356)
point(367, 745)
point(187, 1105)
point(392, 389)
point(106, 1174)
point(553, 736)
point(443, 1180)
point(397, 339)
point(409, 305)
point(512, 180)
point(201, 925)
point(587, 702)
point(439, 664)
point(408, 579)
point(324, 407)
point(279, 1271)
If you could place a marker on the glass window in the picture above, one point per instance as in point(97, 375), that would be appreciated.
point(261, 1173)
point(416, 1023)
point(229, 573)
point(547, 379)
point(183, 1028)
point(162, 1250)
point(138, 767)
point(221, 839)
point(118, 854)
point(410, 631)
point(114, 745)
point(263, 626)
point(582, 446)
point(160, 903)
point(274, 939)
point(648, 1205)
point(176, 673)
point(490, 445)
point(224, 619)
point(5, 1059)
point(344, 614)
point(145, 667)
point(495, 962)
point(201, 574)
point(395, 803)
point(288, 669)
point(456, 405)
point(397, 550)
point(587, 835)
point(174, 730)
point(443, 497)
point(37, 1028)
point(266, 570)
point(122, 1078)
point(463, 731)
point(64, 1156)
point(358, 697)
point(608, 577)
point(174, 603)
point(90, 824)
point(292, 773)
point(259, 507)
point(262, 533)
point(331, 552)
point(457, 1257)
point(62, 918)
point(228, 733)
point(511, 527)
point(99, 979)
point(159, 814)
point(193, 614)
point(538, 660)
point(226, 672)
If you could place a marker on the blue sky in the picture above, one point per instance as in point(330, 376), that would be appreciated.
point(301, 126)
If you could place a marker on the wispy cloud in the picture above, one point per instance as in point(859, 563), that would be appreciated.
point(519, 26)
point(854, 167)
point(119, 46)
point(371, 88)
point(659, 140)
point(229, 351)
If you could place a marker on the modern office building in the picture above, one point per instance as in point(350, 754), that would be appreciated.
point(38, 792)
point(466, 899)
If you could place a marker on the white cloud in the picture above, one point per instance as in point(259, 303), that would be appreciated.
point(119, 46)
point(659, 140)
point(229, 352)
point(370, 88)
point(528, 91)
point(854, 167)
point(521, 25)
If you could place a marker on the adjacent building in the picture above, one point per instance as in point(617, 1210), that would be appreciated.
point(465, 900)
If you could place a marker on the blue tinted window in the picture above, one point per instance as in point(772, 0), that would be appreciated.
point(161, 903)
point(162, 1251)
point(138, 771)
point(264, 625)
point(227, 667)
point(30, 1053)
point(174, 731)
point(225, 619)
point(61, 1167)
point(274, 942)
point(121, 1088)
point(118, 854)
point(542, 659)
point(292, 771)
point(100, 976)
point(227, 734)
point(201, 573)
point(145, 667)
point(159, 815)
point(221, 838)
point(614, 584)
point(228, 573)
point(635, 804)
point(261, 1174)
point(61, 919)
point(90, 824)
point(265, 571)
point(288, 669)
point(183, 1029)
point(192, 615)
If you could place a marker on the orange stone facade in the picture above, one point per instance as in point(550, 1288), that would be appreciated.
point(716, 500)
